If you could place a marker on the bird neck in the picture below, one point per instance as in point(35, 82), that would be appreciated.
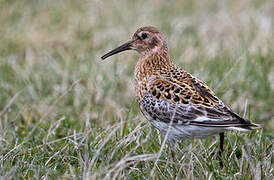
point(152, 63)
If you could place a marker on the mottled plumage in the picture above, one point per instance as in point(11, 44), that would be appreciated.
point(170, 97)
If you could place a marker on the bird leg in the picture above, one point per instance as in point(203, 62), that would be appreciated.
point(173, 155)
point(222, 136)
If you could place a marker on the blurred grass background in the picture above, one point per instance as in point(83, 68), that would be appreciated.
point(65, 113)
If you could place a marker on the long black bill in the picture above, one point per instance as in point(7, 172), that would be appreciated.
point(126, 46)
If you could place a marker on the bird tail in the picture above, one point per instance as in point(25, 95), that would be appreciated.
point(244, 125)
point(238, 123)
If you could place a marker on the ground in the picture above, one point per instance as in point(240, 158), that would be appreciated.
point(65, 113)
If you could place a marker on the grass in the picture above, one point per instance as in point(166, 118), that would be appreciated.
point(66, 114)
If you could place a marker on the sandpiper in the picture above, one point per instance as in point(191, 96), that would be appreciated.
point(175, 102)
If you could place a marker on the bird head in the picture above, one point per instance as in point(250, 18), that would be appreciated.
point(146, 40)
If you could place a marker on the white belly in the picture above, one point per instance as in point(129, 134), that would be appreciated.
point(185, 131)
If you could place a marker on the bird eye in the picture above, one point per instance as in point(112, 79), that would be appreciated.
point(144, 35)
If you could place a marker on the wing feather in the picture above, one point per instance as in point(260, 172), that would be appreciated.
point(167, 101)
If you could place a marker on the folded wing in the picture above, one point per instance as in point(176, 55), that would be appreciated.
point(189, 105)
